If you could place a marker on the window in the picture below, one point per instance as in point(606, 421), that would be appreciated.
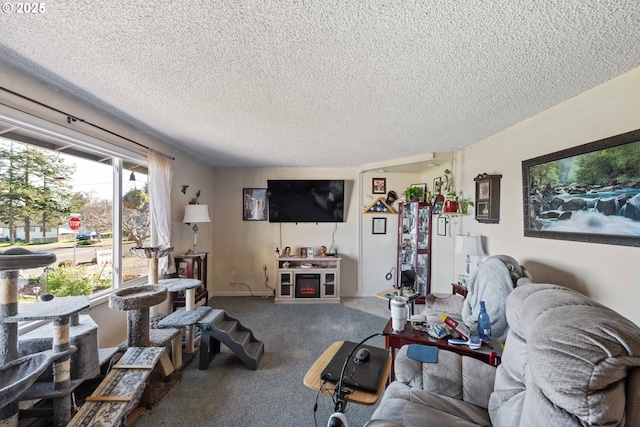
point(50, 174)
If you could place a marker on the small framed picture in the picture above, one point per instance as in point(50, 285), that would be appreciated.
point(379, 226)
point(254, 204)
point(303, 252)
point(442, 226)
point(379, 185)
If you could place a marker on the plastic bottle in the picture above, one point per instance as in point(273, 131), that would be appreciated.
point(484, 324)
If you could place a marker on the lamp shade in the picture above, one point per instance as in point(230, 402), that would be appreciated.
point(196, 213)
point(468, 245)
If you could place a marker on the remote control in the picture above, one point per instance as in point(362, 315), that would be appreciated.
point(474, 342)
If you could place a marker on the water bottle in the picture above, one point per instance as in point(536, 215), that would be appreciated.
point(399, 313)
point(484, 324)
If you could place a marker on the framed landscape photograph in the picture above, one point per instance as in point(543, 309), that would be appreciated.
point(589, 193)
point(379, 185)
point(254, 204)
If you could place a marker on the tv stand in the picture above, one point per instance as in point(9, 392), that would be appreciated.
point(308, 280)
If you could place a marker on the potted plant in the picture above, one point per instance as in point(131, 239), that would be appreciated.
point(135, 199)
point(413, 194)
point(430, 198)
point(447, 180)
point(464, 204)
point(438, 186)
point(451, 202)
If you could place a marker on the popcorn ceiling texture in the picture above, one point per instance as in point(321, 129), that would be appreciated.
point(324, 83)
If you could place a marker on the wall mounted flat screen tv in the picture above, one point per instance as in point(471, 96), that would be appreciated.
point(306, 200)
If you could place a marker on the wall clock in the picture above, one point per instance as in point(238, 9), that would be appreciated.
point(488, 198)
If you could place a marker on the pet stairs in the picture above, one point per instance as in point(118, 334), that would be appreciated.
point(218, 327)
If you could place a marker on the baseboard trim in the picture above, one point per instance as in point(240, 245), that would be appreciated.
point(268, 293)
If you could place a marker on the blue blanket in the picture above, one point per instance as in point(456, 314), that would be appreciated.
point(491, 283)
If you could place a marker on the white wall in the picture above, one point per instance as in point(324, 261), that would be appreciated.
point(607, 273)
point(240, 248)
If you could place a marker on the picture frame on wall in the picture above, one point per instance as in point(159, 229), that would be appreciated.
point(587, 193)
point(379, 226)
point(442, 225)
point(254, 204)
point(379, 185)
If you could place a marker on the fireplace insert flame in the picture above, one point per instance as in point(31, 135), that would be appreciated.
point(307, 285)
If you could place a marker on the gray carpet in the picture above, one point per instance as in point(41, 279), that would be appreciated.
point(229, 394)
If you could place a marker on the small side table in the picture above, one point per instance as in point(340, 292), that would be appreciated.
point(459, 289)
point(395, 340)
point(312, 378)
point(411, 298)
point(192, 267)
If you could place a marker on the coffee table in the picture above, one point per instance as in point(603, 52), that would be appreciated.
point(410, 296)
point(410, 335)
point(312, 378)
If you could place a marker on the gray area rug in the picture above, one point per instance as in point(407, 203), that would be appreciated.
point(295, 335)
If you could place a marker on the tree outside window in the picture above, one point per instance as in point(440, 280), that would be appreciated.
point(41, 189)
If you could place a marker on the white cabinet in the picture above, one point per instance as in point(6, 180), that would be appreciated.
point(304, 280)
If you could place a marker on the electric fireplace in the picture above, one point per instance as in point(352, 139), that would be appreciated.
point(307, 285)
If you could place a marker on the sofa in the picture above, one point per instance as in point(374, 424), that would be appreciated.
point(567, 361)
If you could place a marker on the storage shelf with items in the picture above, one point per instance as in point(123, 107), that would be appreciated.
point(414, 246)
point(308, 279)
point(191, 267)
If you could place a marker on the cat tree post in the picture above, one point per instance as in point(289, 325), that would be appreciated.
point(152, 254)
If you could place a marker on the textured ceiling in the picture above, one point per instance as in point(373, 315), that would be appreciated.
point(324, 83)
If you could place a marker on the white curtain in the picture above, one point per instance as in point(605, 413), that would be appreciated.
point(160, 177)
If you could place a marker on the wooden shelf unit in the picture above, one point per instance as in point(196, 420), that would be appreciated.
point(191, 267)
point(318, 283)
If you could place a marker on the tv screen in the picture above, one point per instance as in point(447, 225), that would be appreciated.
point(306, 200)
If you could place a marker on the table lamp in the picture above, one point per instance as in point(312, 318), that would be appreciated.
point(469, 246)
point(195, 214)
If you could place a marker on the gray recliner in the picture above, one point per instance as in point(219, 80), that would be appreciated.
point(492, 282)
point(568, 361)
